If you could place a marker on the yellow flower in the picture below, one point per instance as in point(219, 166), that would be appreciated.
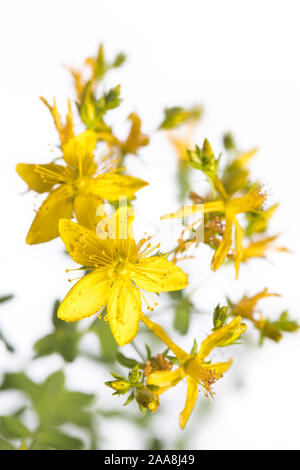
point(229, 208)
point(120, 270)
point(193, 367)
point(259, 248)
point(65, 131)
point(76, 186)
point(246, 307)
point(135, 138)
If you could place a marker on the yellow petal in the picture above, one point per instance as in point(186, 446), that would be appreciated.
point(66, 132)
point(86, 297)
point(251, 201)
point(78, 152)
point(162, 335)
point(118, 230)
point(124, 308)
point(118, 226)
point(165, 379)
point(135, 137)
point(191, 397)
point(35, 177)
point(156, 274)
point(259, 248)
point(224, 247)
point(111, 186)
point(206, 208)
point(181, 144)
point(44, 227)
point(246, 306)
point(218, 369)
point(83, 245)
point(85, 208)
point(221, 337)
point(238, 246)
point(243, 158)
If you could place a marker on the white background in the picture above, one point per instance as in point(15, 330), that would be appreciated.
point(241, 61)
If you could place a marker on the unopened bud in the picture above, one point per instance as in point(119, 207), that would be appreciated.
point(146, 398)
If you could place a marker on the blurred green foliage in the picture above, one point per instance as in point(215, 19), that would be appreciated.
point(64, 340)
point(92, 109)
point(274, 329)
point(54, 406)
point(183, 308)
point(177, 116)
point(4, 340)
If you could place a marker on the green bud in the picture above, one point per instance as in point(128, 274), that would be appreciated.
point(269, 330)
point(119, 60)
point(146, 398)
point(228, 141)
point(120, 386)
point(134, 375)
point(203, 159)
point(220, 316)
point(176, 116)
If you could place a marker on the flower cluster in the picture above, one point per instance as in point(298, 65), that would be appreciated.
point(122, 277)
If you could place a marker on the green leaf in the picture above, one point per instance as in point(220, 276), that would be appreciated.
point(64, 340)
point(11, 427)
point(57, 322)
point(5, 298)
point(119, 60)
point(102, 66)
point(20, 381)
point(53, 438)
point(148, 351)
point(228, 141)
point(54, 404)
point(274, 329)
point(64, 343)
point(176, 116)
point(8, 346)
point(126, 361)
point(108, 345)
point(5, 445)
point(284, 323)
point(183, 178)
point(109, 100)
point(183, 309)
point(129, 399)
point(194, 349)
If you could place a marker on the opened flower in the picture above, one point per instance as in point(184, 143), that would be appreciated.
point(77, 186)
point(120, 271)
point(193, 367)
point(229, 209)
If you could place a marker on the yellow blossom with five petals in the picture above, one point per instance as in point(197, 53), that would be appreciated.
point(75, 187)
point(193, 367)
point(120, 271)
point(229, 208)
